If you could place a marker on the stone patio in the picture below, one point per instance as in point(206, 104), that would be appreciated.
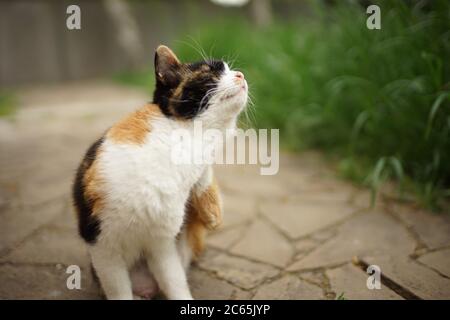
point(301, 234)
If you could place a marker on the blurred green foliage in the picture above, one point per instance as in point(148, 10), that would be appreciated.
point(378, 99)
point(7, 105)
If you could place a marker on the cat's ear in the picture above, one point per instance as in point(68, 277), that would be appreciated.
point(166, 66)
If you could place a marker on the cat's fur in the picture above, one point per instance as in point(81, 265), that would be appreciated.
point(142, 215)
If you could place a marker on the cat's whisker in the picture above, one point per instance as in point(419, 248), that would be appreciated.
point(252, 109)
point(225, 91)
point(251, 106)
point(197, 47)
point(211, 51)
point(232, 60)
point(208, 94)
point(250, 97)
point(248, 122)
point(203, 53)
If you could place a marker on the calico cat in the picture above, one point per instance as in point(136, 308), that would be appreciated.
point(143, 216)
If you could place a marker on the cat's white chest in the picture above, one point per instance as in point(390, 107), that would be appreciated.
point(146, 190)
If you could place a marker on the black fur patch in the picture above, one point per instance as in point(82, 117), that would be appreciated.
point(186, 96)
point(88, 225)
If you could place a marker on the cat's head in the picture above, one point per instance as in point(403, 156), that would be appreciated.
point(205, 89)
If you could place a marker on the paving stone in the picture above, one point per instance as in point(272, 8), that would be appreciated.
point(311, 163)
point(224, 239)
point(18, 223)
point(208, 254)
point(237, 209)
point(324, 235)
point(433, 229)
point(288, 287)
point(319, 188)
point(298, 219)
point(305, 245)
point(351, 281)
point(241, 272)
point(247, 180)
point(51, 246)
point(205, 287)
point(295, 179)
point(263, 243)
point(316, 277)
point(438, 260)
point(420, 280)
point(43, 282)
point(366, 234)
point(305, 180)
point(67, 219)
point(43, 189)
point(363, 199)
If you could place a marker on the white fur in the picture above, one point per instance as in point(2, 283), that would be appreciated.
point(145, 196)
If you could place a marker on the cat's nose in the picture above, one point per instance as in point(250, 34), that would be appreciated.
point(239, 75)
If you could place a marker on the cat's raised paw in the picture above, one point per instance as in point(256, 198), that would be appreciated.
point(213, 221)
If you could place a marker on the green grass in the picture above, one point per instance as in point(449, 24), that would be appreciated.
point(7, 105)
point(341, 297)
point(379, 100)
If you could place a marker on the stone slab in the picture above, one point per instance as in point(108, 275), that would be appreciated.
point(351, 282)
point(43, 282)
point(299, 219)
point(420, 280)
point(438, 260)
point(263, 243)
point(288, 287)
point(367, 234)
point(240, 272)
point(206, 287)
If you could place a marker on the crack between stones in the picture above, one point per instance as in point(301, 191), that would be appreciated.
point(419, 243)
point(429, 250)
point(244, 227)
point(388, 282)
point(225, 251)
point(215, 275)
point(432, 269)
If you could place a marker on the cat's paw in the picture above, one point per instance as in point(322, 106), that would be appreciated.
point(213, 220)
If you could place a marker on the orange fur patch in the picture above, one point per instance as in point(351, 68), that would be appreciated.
point(134, 128)
point(208, 205)
point(204, 212)
point(92, 185)
point(196, 231)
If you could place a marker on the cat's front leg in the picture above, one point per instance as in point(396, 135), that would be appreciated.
point(164, 262)
point(112, 272)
